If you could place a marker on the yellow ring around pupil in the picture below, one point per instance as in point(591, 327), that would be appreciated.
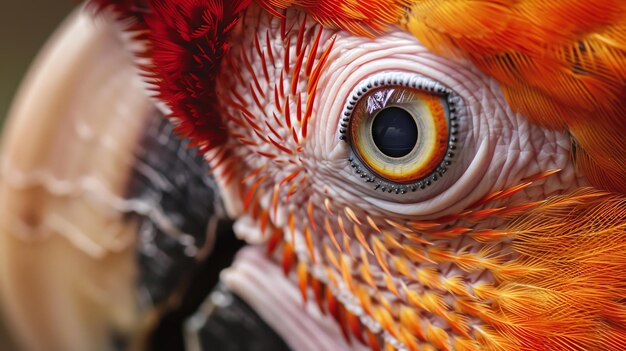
point(428, 111)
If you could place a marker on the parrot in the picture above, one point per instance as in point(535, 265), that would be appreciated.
point(320, 175)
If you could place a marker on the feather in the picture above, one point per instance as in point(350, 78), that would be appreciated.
point(560, 63)
point(359, 17)
point(185, 43)
point(572, 296)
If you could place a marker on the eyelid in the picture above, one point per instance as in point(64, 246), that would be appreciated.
point(455, 110)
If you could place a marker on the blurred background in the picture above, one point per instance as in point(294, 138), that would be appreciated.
point(24, 28)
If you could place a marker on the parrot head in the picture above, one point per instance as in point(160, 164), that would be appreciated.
point(434, 175)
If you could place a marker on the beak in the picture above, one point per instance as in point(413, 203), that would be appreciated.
point(66, 260)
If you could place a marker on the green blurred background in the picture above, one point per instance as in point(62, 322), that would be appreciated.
point(24, 27)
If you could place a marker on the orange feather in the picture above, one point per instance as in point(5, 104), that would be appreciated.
point(561, 63)
point(359, 17)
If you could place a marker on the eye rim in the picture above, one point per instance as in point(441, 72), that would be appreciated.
point(428, 151)
point(453, 110)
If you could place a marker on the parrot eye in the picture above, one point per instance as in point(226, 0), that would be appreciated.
point(400, 127)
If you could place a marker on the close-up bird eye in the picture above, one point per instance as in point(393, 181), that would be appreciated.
point(402, 130)
point(274, 175)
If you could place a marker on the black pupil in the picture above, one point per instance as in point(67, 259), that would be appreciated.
point(394, 132)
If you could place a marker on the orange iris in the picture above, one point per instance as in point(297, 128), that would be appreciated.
point(428, 112)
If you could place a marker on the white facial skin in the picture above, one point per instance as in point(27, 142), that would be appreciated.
point(497, 148)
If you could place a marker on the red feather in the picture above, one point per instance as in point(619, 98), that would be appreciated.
point(186, 41)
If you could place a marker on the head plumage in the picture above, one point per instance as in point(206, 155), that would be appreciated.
point(184, 42)
point(560, 63)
